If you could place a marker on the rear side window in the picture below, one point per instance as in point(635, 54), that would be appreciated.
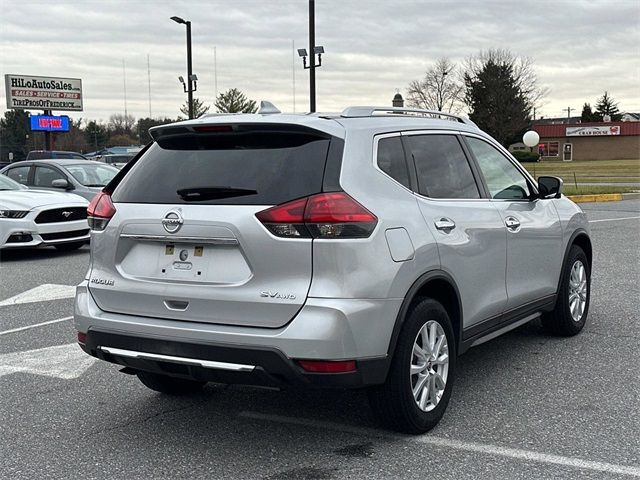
point(442, 167)
point(391, 159)
point(240, 168)
point(19, 174)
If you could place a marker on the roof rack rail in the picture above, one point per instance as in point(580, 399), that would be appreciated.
point(355, 112)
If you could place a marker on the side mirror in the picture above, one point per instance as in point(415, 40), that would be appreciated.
point(550, 187)
point(61, 183)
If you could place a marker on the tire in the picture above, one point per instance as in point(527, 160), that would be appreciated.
point(565, 319)
point(393, 402)
point(69, 247)
point(170, 385)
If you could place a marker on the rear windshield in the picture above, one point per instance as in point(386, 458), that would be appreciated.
point(248, 168)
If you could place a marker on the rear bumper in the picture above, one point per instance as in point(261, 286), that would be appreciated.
point(324, 329)
point(264, 367)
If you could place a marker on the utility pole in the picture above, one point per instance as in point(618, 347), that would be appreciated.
point(124, 82)
point(149, 83)
point(568, 110)
point(215, 75)
point(312, 65)
point(293, 73)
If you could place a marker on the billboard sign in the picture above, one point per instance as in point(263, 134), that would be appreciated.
point(29, 92)
point(49, 123)
point(593, 131)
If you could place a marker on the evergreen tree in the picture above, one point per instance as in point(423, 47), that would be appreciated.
point(96, 135)
point(234, 101)
point(144, 124)
point(14, 134)
point(606, 106)
point(496, 102)
point(587, 114)
point(199, 108)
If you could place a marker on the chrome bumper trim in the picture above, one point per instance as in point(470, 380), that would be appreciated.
point(236, 367)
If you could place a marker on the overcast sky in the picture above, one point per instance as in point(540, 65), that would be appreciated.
point(373, 47)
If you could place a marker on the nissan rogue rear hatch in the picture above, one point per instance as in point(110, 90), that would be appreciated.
point(185, 243)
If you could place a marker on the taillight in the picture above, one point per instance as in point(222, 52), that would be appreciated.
point(100, 211)
point(325, 215)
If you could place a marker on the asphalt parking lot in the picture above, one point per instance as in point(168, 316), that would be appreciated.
point(525, 405)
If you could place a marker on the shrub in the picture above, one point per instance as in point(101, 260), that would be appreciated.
point(524, 156)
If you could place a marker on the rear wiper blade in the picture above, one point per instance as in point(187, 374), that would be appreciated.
point(199, 194)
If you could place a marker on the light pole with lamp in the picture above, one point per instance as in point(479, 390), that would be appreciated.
point(191, 85)
point(313, 51)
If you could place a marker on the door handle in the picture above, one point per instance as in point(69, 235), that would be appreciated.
point(445, 224)
point(512, 223)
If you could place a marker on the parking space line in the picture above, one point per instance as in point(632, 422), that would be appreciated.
point(514, 453)
point(14, 330)
point(612, 219)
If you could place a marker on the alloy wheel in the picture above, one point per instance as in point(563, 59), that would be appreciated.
point(429, 365)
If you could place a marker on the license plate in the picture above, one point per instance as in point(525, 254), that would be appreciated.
point(183, 261)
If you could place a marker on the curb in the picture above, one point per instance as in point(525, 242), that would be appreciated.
point(603, 197)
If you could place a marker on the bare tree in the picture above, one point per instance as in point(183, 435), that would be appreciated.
point(120, 124)
point(440, 89)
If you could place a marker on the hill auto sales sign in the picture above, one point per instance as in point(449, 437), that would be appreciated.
point(30, 92)
point(592, 131)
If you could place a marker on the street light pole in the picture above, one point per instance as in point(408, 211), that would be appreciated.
point(190, 85)
point(312, 46)
point(189, 70)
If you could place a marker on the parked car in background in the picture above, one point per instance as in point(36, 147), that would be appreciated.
point(117, 161)
point(82, 177)
point(51, 154)
point(33, 218)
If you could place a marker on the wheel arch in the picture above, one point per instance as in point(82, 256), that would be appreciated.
point(437, 285)
point(580, 238)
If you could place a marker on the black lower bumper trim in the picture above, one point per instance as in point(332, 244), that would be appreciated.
point(273, 368)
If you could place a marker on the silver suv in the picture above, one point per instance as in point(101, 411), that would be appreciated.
point(362, 249)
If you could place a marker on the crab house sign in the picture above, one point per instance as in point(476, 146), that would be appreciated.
point(30, 92)
point(592, 131)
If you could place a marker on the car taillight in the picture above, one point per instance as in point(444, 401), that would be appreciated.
point(325, 215)
point(100, 211)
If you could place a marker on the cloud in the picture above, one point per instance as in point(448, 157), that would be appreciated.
point(372, 48)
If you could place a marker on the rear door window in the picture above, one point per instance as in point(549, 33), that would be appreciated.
point(391, 159)
point(442, 167)
point(240, 168)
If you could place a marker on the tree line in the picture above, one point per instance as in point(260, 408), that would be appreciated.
point(500, 91)
point(91, 135)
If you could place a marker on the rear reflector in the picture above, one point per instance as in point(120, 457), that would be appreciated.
point(325, 215)
point(82, 338)
point(100, 211)
point(328, 366)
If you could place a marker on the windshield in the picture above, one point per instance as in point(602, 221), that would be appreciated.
point(8, 184)
point(92, 175)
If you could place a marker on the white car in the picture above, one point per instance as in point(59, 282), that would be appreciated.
point(31, 218)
